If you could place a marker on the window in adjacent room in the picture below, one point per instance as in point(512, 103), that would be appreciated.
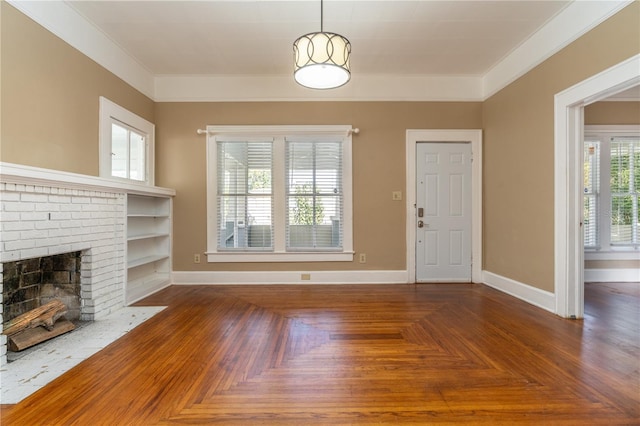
point(126, 144)
point(279, 193)
point(611, 189)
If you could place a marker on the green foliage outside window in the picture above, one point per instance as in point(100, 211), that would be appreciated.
point(622, 205)
point(305, 211)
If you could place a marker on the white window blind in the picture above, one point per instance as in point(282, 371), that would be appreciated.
point(591, 193)
point(314, 194)
point(244, 195)
point(625, 191)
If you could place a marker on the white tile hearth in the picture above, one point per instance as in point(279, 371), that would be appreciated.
point(28, 373)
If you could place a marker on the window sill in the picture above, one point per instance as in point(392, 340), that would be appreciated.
point(220, 257)
point(617, 254)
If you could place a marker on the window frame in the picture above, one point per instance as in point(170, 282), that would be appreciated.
point(605, 250)
point(111, 113)
point(278, 134)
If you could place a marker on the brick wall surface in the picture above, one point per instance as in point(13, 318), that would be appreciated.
point(39, 221)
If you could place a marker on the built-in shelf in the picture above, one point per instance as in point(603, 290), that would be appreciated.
point(146, 236)
point(148, 245)
point(145, 260)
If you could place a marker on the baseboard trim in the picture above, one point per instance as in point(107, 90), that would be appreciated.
point(289, 277)
point(624, 275)
point(540, 298)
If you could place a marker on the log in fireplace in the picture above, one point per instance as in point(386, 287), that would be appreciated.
point(30, 283)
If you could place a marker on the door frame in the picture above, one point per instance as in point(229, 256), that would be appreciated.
point(474, 137)
point(568, 171)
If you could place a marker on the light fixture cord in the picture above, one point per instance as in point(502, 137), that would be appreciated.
point(321, 17)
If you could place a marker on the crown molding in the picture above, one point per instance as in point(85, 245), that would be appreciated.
point(65, 22)
point(570, 24)
point(204, 88)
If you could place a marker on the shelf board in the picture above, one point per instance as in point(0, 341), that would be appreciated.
point(145, 260)
point(147, 236)
point(142, 287)
point(150, 215)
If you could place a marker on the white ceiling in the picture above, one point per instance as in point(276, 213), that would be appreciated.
point(229, 50)
point(256, 37)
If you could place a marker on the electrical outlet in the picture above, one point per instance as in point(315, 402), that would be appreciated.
point(305, 277)
point(363, 258)
point(196, 258)
point(396, 195)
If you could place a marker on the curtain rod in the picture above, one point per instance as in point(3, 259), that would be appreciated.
point(351, 131)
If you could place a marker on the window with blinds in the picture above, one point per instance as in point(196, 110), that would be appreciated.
point(611, 198)
point(279, 194)
point(313, 170)
point(591, 192)
point(625, 191)
point(245, 197)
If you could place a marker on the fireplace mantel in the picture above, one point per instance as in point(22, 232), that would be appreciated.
point(28, 175)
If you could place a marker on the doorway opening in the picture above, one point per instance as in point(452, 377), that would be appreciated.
point(568, 180)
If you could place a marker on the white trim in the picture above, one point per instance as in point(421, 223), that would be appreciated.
point(571, 23)
point(612, 255)
point(65, 22)
point(279, 256)
point(109, 112)
point(289, 277)
point(569, 125)
point(535, 296)
point(568, 25)
point(627, 275)
point(28, 175)
point(278, 135)
point(445, 135)
point(264, 88)
point(264, 132)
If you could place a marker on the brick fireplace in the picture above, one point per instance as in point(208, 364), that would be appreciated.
point(52, 217)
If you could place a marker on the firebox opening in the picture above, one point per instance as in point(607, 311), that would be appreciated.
point(30, 283)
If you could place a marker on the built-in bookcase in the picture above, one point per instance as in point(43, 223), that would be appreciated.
point(148, 245)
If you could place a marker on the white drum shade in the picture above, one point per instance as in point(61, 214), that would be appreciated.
point(321, 60)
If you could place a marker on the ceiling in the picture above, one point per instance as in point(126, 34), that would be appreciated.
point(242, 50)
point(256, 37)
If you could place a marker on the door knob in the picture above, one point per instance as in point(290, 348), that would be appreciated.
point(420, 224)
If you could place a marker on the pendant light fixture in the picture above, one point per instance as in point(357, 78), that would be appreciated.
point(321, 59)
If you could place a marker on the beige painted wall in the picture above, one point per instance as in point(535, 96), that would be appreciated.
point(50, 98)
point(378, 168)
point(610, 113)
point(518, 140)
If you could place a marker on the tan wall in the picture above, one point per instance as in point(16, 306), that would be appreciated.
point(518, 140)
point(610, 113)
point(378, 168)
point(50, 98)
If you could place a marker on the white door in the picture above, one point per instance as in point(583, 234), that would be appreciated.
point(443, 210)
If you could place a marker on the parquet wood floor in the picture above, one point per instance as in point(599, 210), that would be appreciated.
point(364, 354)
